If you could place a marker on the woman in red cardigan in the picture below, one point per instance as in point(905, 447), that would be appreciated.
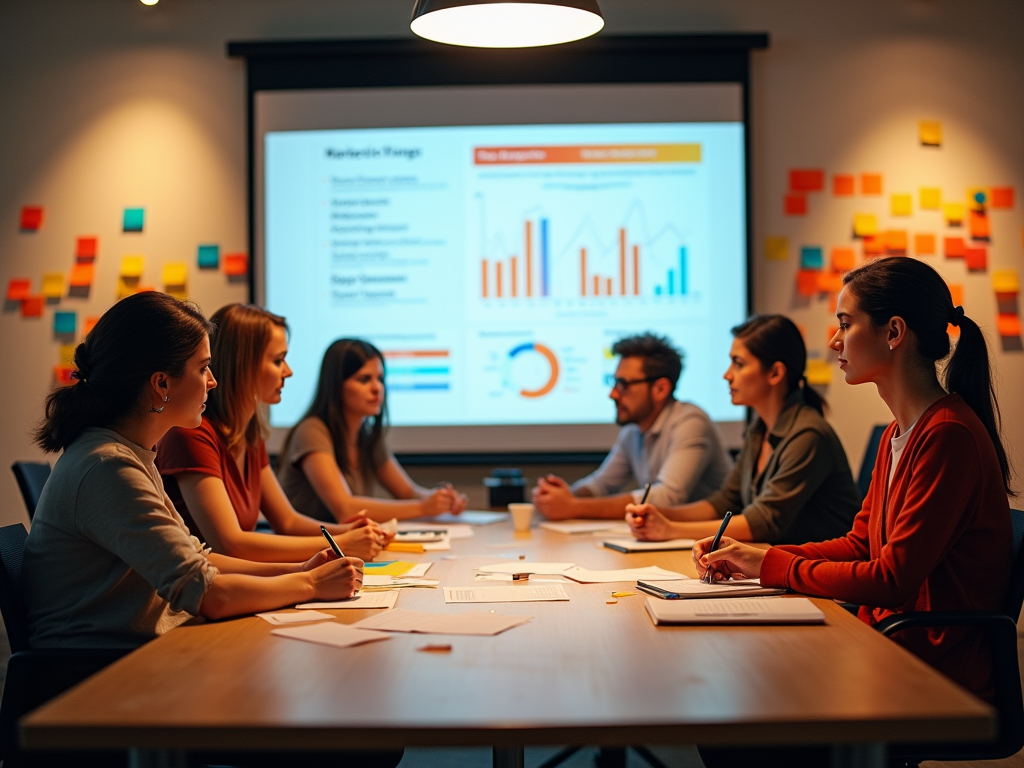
point(934, 531)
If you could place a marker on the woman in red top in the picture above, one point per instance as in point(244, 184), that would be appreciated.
point(219, 476)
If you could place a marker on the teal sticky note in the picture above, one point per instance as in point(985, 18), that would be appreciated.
point(65, 322)
point(812, 257)
point(209, 256)
point(134, 218)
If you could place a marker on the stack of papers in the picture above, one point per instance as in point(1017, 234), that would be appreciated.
point(573, 527)
point(396, 568)
point(650, 573)
point(424, 622)
point(687, 588)
point(632, 545)
point(454, 530)
point(380, 583)
point(522, 566)
point(372, 600)
point(520, 594)
point(333, 633)
point(750, 610)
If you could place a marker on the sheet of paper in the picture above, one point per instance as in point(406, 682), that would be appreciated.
point(572, 527)
point(830, 282)
point(929, 132)
point(31, 218)
point(1005, 281)
point(752, 610)
point(331, 633)
point(369, 600)
point(871, 183)
point(697, 588)
point(649, 573)
point(65, 323)
point(418, 570)
point(843, 184)
point(895, 241)
point(86, 248)
point(295, 617)
point(930, 198)
point(924, 245)
point(53, 285)
point(454, 530)
point(776, 248)
point(795, 205)
point(236, 264)
point(632, 545)
point(133, 219)
point(427, 623)
point(865, 224)
point(175, 273)
point(901, 205)
point(524, 593)
point(522, 566)
point(471, 517)
point(208, 256)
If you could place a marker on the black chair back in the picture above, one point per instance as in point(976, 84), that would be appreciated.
point(12, 606)
point(1015, 594)
point(31, 477)
point(870, 454)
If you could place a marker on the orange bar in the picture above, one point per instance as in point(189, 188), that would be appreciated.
point(622, 262)
point(609, 293)
point(597, 285)
point(594, 153)
point(583, 271)
point(497, 279)
point(512, 276)
point(416, 353)
point(529, 259)
point(483, 276)
point(636, 270)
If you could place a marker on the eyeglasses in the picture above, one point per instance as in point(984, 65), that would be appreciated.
point(621, 385)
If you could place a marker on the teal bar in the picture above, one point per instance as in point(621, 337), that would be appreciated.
point(397, 370)
point(682, 271)
point(671, 282)
point(657, 290)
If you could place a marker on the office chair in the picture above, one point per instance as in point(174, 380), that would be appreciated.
point(870, 454)
point(1002, 630)
point(31, 477)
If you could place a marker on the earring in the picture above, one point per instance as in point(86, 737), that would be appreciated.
point(890, 347)
point(161, 408)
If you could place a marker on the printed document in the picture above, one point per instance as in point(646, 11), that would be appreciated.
point(371, 600)
point(331, 633)
point(520, 594)
point(425, 622)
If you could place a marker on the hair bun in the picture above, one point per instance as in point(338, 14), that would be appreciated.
point(956, 316)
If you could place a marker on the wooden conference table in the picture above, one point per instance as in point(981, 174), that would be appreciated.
point(582, 672)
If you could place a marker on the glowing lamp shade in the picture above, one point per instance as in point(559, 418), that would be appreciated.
point(520, 24)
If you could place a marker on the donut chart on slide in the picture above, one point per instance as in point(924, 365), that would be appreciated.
point(552, 361)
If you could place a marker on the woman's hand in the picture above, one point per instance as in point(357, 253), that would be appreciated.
point(732, 559)
point(459, 500)
point(365, 541)
point(338, 579)
point(438, 502)
point(322, 557)
point(646, 523)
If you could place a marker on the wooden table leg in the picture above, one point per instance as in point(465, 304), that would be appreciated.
point(508, 757)
point(859, 756)
point(157, 758)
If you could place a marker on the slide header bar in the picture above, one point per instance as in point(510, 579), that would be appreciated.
point(624, 153)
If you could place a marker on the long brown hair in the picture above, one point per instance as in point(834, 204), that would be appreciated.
point(237, 348)
point(775, 338)
point(137, 337)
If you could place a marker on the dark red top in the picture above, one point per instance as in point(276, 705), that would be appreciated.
point(940, 540)
point(204, 450)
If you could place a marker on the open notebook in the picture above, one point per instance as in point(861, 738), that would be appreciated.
point(687, 588)
point(744, 610)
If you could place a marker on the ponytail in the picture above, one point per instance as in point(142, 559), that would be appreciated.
point(812, 398)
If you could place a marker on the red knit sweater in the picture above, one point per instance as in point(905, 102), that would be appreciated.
point(940, 542)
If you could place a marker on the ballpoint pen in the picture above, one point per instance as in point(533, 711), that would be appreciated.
point(707, 578)
point(332, 542)
point(647, 490)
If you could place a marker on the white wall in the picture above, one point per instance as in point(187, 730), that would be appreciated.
point(107, 104)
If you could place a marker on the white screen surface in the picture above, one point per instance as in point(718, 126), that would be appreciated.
point(495, 242)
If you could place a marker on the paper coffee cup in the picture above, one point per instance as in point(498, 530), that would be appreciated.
point(522, 516)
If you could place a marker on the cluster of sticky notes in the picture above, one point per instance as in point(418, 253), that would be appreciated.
point(1006, 285)
point(802, 182)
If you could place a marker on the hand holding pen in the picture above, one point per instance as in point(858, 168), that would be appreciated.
point(709, 574)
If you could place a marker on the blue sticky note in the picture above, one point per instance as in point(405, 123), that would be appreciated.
point(65, 322)
point(812, 257)
point(133, 219)
point(209, 256)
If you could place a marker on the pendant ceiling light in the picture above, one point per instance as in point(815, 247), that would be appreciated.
point(505, 24)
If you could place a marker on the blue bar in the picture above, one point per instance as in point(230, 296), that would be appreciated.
point(543, 257)
point(671, 282)
point(404, 387)
point(682, 271)
point(657, 290)
point(400, 371)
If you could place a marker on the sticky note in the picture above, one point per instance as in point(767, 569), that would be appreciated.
point(134, 219)
point(807, 282)
point(902, 205)
point(208, 256)
point(811, 257)
point(830, 282)
point(82, 275)
point(871, 183)
point(843, 259)
point(795, 205)
point(1002, 197)
point(865, 224)
point(953, 247)
point(62, 373)
point(86, 247)
point(32, 306)
point(31, 218)
point(65, 322)
point(806, 180)
point(18, 288)
point(776, 248)
point(930, 198)
point(53, 285)
point(924, 245)
point(953, 213)
point(1008, 325)
point(977, 198)
point(1005, 281)
point(177, 291)
point(90, 323)
point(126, 286)
point(66, 354)
point(874, 245)
point(976, 258)
point(956, 292)
point(895, 241)
point(175, 273)
point(930, 133)
point(236, 264)
point(977, 225)
point(843, 184)
point(819, 373)
point(131, 266)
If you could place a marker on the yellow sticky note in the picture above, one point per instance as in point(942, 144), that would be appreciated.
point(776, 248)
point(53, 285)
point(1005, 281)
point(978, 198)
point(931, 198)
point(902, 205)
point(953, 213)
point(175, 273)
point(177, 291)
point(397, 568)
point(127, 286)
point(819, 372)
point(67, 354)
point(131, 266)
point(623, 594)
point(930, 132)
point(865, 224)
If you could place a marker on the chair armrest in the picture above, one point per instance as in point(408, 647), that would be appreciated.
point(915, 619)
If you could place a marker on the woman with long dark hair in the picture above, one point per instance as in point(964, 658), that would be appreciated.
point(336, 453)
point(109, 562)
point(792, 482)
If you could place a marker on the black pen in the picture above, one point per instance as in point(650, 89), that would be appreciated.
point(332, 542)
point(714, 544)
point(647, 490)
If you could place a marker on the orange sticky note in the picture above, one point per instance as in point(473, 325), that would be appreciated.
point(956, 291)
point(31, 218)
point(924, 245)
point(874, 245)
point(930, 198)
point(871, 183)
point(794, 205)
point(807, 282)
point(18, 288)
point(236, 264)
point(977, 225)
point(1002, 197)
point(895, 241)
point(843, 184)
point(954, 247)
point(86, 247)
point(830, 282)
point(90, 323)
point(976, 258)
point(82, 274)
point(929, 132)
point(843, 259)
point(32, 306)
point(902, 205)
point(806, 180)
point(1008, 325)
point(62, 373)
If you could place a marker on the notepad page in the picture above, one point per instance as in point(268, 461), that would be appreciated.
point(520, 594)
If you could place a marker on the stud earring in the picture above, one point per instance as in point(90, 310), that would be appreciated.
point(161, 408)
